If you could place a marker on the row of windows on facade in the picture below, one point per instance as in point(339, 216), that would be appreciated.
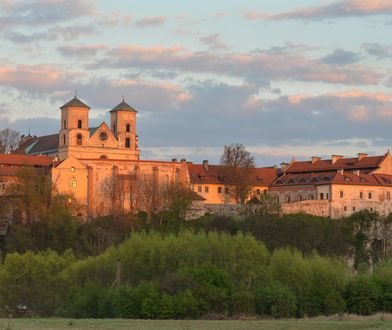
point(79, 140)
point(341, 195)
point(80, 125)
point(3, 186)
point(220, 190)
point(371, 209)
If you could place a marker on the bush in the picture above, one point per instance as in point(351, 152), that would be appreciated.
point(362, 294)
point(276, 300)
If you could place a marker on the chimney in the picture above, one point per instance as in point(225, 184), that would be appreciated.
point(315, 159)
point(283, 166)
point(335, 158)
point(205, 165)
point(356, 172)
point(174, 160)
point(361, 155)
point(183, 160)
point(340, 171)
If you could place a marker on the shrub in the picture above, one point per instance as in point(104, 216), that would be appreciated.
point(276, 300)
point(362, 294)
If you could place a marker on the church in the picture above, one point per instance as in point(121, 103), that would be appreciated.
point(98, 166)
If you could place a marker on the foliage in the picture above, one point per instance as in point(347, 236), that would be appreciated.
point(188, 275)
point(238, 165)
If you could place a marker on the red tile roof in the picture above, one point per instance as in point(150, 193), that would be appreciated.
point(325, 178)
point(262, 176)
point(13, 159)
point(366, 163)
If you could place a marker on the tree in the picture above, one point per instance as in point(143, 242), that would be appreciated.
point(237, 166)
point(9, 140)
point(177, 200)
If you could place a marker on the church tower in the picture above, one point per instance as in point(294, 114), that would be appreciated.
point(123, 125)
point(74, 131)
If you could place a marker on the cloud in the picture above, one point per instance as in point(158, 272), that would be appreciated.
point(282, 67)
point(214, 41)
point(380, 51)
point(341, 57)
point(339, 9)
point(81, 51)
point(151, 21)
point(65, 32)
point(43, 12)
point(36, 80)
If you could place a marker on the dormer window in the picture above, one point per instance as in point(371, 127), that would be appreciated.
point(79, 123)
point(128, 128)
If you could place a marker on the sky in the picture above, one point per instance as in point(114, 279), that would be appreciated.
point(284, 78)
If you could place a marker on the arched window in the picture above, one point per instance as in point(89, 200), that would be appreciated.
point(79, 139)
point(128, 128)
point(64, 138)
point(65, 124)
point(127, 143)
point(74, 184)
point(79, 123)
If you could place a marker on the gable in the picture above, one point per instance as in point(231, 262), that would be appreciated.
point(103, 137)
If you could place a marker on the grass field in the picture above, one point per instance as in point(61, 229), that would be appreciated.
point(45, 324)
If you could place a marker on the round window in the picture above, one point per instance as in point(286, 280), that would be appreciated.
point(103, 136)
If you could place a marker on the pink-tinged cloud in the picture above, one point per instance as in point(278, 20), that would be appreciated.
point(36, 79)
point(354, 105)
point(152, 21)
point(251, 66)
point(43, 12)
point(347, 8)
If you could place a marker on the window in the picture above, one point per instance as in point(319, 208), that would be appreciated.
point(74, 184)
point(79, 139)
point(114, 128)
point(72, 169)
point(103, 136)
point(311, 196)
point(345, 208)
point(64, 124)
point(127, 143)
point(371, 209)
point(327, 197)
point(370, 195)
point(288, 199)
point(388, 195)
point(300, 198)
point(361, 194)
point(206, 189)
point(128, 128)
point(321, 195)
point(341, 194)
point(199, 188)
point(226, 190)
point(103, 157)
point(64, 139)
point(258, 192)
point(79, 123)
point(265, 191)
point(353, 208)
point(219, 190)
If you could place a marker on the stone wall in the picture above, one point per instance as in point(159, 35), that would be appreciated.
point(315, 207)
